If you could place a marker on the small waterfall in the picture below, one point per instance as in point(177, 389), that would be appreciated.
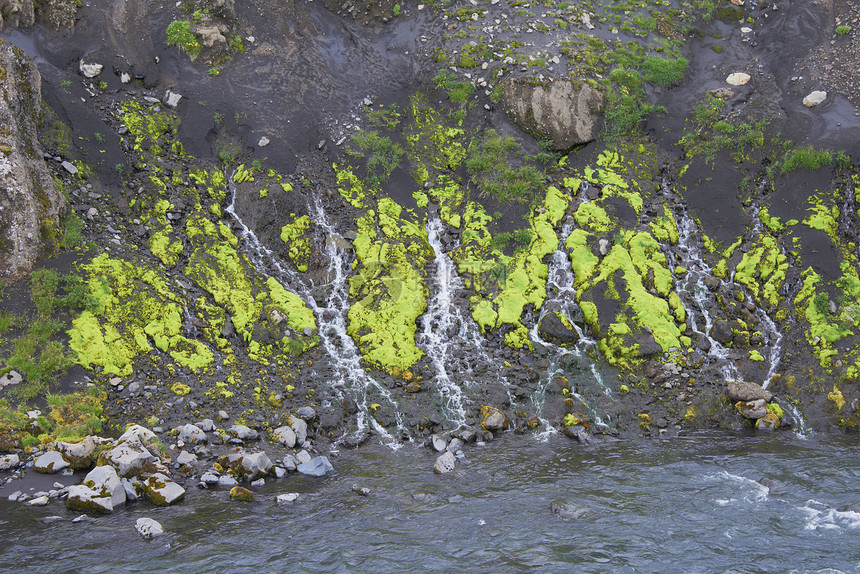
point(350, 376)
point(443, 324)
point(561, 298)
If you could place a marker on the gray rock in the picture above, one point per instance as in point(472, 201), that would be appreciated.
point(244, 433)
point(148, 528)
point(290, 462)
point(185, 457)
point(15, 496)
point(280, 472)
point(738, 79)
point(455, 445)
point(163, 491)
point(210, 478)
point(438, 443)
point(50, 462)
point(9, 379)
point(556, 110)
point(299, 427)
point(90, 70)
point(39, 501)
point(79, 454)
point(256, 465)
point(222, 414)
point(445, 463)
point(722, 332)
point(569, 511)
point(130, 487)
point(306, 412)
point(493, 419)
point(171, 99)
point(137, 433)
point(206, 425)
point(258, 483)
point(814, 98)
point(128, 458)
point(191, 434)
point(9, 461)
point(263, 142)
point(743, 391)
point(287, 498)
point(27, 191)
point(227, 481)
point(285, 435)
point(752, 409)
point(102, 491)
point(317, 466)
point(69, 167)
point(302, 457)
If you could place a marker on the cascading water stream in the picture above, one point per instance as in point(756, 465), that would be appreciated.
point(332, 321)
point(561, 298)
point(443, 324)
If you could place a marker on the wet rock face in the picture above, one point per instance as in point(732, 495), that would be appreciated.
point(558, 111)
point(30, 204)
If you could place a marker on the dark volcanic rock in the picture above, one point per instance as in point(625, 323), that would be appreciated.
point(553, 328)
point(29, 201)
point(722, 332)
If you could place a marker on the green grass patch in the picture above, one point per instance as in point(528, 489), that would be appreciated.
point(179, 34)
point(806, 157)
point(383, 156)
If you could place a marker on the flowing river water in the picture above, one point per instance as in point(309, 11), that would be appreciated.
point(691, 504)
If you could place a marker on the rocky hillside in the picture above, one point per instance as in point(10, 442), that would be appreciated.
point(594, 217)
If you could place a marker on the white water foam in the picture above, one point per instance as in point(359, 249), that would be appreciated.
point(820, 516)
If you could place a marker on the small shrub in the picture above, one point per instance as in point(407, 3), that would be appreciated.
point(664, 72)
point(523, 236)
point(65, 83)
point(807, 158)
point(458, 91)
point(384, 156)
point(396, 10)
point(842, 160)
point(179, 33)
point(843, 30)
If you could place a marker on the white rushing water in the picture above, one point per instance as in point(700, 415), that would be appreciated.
point(561, 298)
point(350, 376)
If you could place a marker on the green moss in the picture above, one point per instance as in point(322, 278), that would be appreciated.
point(593, 217)
point(756, 356)
point(134, 307)
point(298, 243)
point(665, 228)
point(762, 270)
point(388, 290)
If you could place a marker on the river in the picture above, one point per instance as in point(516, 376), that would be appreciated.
point(691, 504)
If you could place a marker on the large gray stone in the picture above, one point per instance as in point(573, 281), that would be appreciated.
point(191, 434)
point(814, 98)
point(30, 204)
point(102, 491)
point(493, 419)
point(557, 110)
point(244, 433)
point(299, 427)
point(148, 528)
point(445, 463)
point(743, 391)
point(317, 466)
point(285, 435)
point(50, 462)
point(9, 462)
point(163, 491)
point(137, 433)
point(128, 458)
point(752, 409)
point(79, 454)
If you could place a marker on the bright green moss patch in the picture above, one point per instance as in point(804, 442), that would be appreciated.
point(298, 243)
point(134, 310)
point(593, 217)
point(664, 228)
point(762, 270)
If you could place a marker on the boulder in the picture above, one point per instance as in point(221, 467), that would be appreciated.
point(50, 462)
point(10, 379)
point(743, 391)
point(185, 457)
point(752, 409)
point(722, 332)
point(163, 491)
point(247, 465)
point(814, 98)
point(287, 498)
point(300, 427)
point(30, 204)
point(101, 491)
point(211, 35)
point(17, 13)
point(128, 458)
point(317, 466)
point(738, 79)
point(9, 462)
point(557, 110)
point(444, 463)
point(243, 494)
point(79, 454)
point(148, 528)
point(242, 432)
point(137, 433)
point(556, 328)
point(438, 443)
point(90, 70)
point(285, 435)
point(493, 419)
point(191, 434)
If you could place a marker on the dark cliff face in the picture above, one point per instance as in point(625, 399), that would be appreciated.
point(30, 204)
